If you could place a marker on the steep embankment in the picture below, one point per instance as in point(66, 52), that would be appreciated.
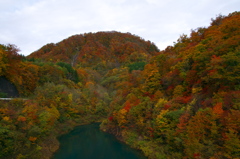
point(186, 101)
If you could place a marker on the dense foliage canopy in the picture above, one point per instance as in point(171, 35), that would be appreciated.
point(181, 102)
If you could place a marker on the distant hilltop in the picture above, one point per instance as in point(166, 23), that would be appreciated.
point(89, 49)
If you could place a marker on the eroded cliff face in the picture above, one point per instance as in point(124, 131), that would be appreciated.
point(7, 89)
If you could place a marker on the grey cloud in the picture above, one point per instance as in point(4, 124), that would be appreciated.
point(32, 23)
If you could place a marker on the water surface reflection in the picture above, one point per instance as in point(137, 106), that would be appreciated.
point(88, 142)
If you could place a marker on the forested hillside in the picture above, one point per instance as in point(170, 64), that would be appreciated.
point(62, 85)
point(186, 101)
point(181, 102)
point(100, 51)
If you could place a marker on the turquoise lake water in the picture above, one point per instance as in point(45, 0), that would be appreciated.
point(88, 142)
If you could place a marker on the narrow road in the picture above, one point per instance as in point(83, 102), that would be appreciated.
point(6, 98)
point(12, 98)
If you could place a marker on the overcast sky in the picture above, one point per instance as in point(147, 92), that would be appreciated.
point(30, 24)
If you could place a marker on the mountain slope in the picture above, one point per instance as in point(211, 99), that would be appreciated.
point(112, 48)
point(186, 101)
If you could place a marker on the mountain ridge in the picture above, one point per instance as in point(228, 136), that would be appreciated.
point(96, 46)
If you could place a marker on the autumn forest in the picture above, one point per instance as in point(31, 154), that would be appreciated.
point(181, 102)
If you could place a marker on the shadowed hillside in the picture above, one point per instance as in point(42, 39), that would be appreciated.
point(7, 89)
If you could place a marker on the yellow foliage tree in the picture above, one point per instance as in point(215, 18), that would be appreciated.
point(121, 117)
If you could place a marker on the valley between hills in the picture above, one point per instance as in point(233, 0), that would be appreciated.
point(181, 102)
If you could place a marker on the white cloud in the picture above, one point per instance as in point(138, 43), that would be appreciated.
point(31, 24)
